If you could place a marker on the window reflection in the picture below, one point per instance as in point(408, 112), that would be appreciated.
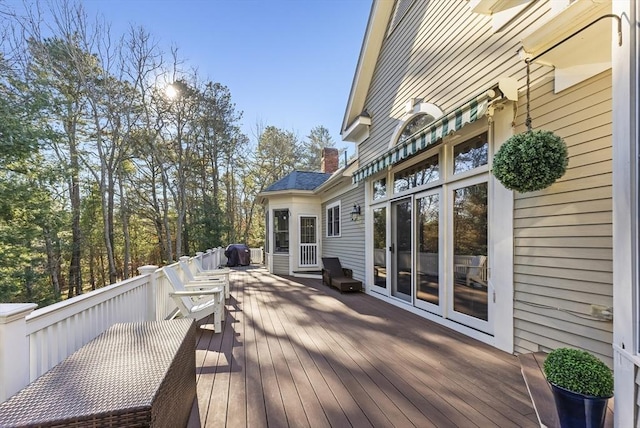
point(401, 254)
point(428, 258)
point(379, 189)
point(470, 251)
point(415, 125)
point(422, 173)
point(281, 230)
point(380, 247)
point(471, 154)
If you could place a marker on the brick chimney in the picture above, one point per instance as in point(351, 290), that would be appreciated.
point(329, 162)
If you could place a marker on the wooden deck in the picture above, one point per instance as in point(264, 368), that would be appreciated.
point(296, 353)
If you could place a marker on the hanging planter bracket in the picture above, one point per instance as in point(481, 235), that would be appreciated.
point(528, 61)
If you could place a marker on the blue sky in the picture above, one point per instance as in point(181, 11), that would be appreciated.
point(287, 63)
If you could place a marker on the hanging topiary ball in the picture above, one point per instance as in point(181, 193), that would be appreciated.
point(531, 161)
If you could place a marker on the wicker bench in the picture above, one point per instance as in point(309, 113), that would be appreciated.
point(134, 374)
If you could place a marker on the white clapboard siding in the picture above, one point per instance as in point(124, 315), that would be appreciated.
point(563, 244)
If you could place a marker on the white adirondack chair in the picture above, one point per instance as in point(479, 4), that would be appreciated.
point(215, 276)
point(198, 300)
point(475, 271)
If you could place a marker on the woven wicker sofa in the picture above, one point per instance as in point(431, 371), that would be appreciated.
point(134, 374)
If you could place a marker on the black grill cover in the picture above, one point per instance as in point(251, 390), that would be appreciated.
point(238, 255)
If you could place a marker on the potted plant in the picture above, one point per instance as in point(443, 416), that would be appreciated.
point(530, 161)
point(581, 384)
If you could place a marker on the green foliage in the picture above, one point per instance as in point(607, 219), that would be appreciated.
point(530, 161)
point(318, 139)
point(579, 371)
point(101, 172)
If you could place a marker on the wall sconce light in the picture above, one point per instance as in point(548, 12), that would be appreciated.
point(355, 212)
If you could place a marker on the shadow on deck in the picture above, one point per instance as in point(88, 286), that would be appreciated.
point(296, 353)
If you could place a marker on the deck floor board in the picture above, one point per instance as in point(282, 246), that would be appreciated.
point(295, 353)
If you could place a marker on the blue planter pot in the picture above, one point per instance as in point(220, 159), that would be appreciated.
point(578, 410)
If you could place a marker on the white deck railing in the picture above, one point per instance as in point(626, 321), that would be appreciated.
point(257, 255)
point(33, 341)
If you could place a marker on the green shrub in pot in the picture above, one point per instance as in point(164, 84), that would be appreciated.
point(581, 385)
point(579, 371)
point(530, 161)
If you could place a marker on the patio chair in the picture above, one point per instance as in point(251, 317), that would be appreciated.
point(201, 270)
point(216, 276)
point(474, 271)
point(334, 275)
point(197, 300)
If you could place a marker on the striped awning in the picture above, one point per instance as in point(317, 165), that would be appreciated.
point(426, 137)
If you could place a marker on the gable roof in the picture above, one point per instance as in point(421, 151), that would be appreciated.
point(299, 180)
point(374, 35)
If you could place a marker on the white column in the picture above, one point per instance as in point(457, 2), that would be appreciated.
point(625, 212)
point(14, 348)
point(150, 270)
point(501, 257)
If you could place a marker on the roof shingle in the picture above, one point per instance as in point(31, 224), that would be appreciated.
point(299, 180)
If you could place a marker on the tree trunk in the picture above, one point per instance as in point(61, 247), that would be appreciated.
point(75, 272)
point(108, 229)
point(92, 262)
point(165, 218)
point(124, 217)
point(53, 264)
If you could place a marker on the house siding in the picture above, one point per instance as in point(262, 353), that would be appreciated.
point(280, 264)
point(444, 54)
point(563, 257)
point(349, 246)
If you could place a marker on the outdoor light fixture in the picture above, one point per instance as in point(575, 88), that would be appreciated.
point(355, 212)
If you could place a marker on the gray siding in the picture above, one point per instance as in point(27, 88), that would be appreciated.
point(281, 264)
point(349, 246)
point(563, 234)
point(444, 54)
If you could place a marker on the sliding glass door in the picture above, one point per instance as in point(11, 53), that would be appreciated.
point(428, 252)
point(380, 250)
point(401, 254)
point(468, 226)
point(431, 236)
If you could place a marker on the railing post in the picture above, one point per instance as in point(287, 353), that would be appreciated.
point(151, 290)
point(184, 264)
point(14, 348)
point(219, 254)
point(208, 265)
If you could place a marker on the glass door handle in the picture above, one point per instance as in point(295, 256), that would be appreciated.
point(391, 248)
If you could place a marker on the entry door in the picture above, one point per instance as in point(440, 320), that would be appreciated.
point(308, 242)
point(401, 245)
point(380, 277)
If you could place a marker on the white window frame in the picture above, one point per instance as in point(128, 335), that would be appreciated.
point(330, 208)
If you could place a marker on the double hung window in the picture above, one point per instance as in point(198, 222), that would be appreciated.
point(333, 219)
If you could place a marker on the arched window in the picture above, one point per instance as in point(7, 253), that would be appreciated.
point(414, 125)
point(416, 118)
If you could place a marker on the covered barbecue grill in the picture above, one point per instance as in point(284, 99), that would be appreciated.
point(238, 255)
